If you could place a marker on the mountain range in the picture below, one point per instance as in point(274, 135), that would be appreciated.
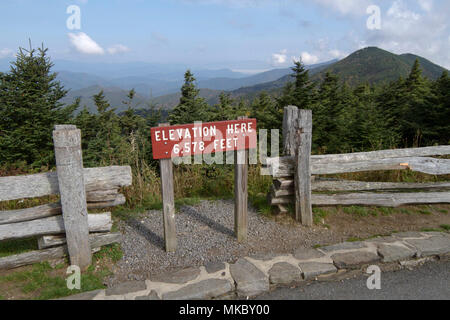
point(160, 84)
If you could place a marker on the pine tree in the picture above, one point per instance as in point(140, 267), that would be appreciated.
point(29, 109)
point(191, 107)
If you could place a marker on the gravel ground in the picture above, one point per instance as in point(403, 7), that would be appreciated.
point(205, 235)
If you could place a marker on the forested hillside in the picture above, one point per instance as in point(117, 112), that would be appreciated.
point(407, 111)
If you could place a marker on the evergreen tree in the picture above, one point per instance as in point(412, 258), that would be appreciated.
point(191, 107)
point(440, 112)
point(29, 109)
point(225, 109)
point(266, 111)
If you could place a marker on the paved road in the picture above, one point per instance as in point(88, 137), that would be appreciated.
point(428, 282)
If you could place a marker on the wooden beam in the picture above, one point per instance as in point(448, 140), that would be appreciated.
point(168, 198)
point(425, 165)
point(43, 184)
point(27, 258)
point(49, 210)
point(287, 186)
point(370, 199)
point(241, 193)
point(52, 241)
point(53, 225)
point(69, 167)
point(382, 199)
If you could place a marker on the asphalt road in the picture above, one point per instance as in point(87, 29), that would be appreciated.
point(428, 282)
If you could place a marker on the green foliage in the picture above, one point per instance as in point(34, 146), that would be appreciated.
point(29, 109)
point(191, 107)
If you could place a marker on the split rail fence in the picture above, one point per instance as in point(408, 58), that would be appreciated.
point(63, 228)
point(294, 179)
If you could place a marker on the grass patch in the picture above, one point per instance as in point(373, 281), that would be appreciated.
point(354, 239)
point(386, 211)
point(430, 230)
point(319, 215)
point(425, 212)
point(186, 202)
point(259, 202)
point(41, 281)
point(12, 247)
point(445, 227)
point(357, 211)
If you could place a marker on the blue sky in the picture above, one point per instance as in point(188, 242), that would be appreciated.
point(239, 34)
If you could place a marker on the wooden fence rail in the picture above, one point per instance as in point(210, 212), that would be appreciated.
point(64, 227)
point(290, 173)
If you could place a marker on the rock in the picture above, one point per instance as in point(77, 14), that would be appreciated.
point(90, 295)
point(178, 277)
point(206, 289)
point(382, 240)
point(151, 296)
point(343, 246)
point(265, 256)
point(408, 234)
point(392, 253)
point(310, 270)
point(250, 281)
point(215, 267)
point(307, 254)
point(284, 273)
point(126, 287)
point(354, 259)
point(432, 246)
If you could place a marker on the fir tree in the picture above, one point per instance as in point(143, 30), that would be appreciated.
point(29, 109)
point(191, 107)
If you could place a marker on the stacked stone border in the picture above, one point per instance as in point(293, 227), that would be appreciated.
point(251, 276)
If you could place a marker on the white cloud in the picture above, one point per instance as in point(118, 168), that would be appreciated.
point(118, 48)
point(356, 7)
point(337, 54)
point(84, 44)
point(404, 30)
point(308, 58)
point(426, 5)
point(6, 52)
point(279, 58)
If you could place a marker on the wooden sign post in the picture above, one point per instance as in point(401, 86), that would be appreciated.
point(170, 142)
point(168, 198)
point(241, 193)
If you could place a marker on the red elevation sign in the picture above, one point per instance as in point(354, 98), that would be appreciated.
point(203, 138)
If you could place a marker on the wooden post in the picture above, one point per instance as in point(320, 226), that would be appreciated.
point(241, 193)
point(290, 121)
point(69, 166)
point(168, 198)
point(302, 177)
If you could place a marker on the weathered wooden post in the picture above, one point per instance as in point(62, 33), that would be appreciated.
point(241, 193)
point(168, 198)
point(302, 177)
point(290, 121)
point(69, 166)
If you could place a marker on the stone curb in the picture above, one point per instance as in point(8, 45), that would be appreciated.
point(251, 276)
